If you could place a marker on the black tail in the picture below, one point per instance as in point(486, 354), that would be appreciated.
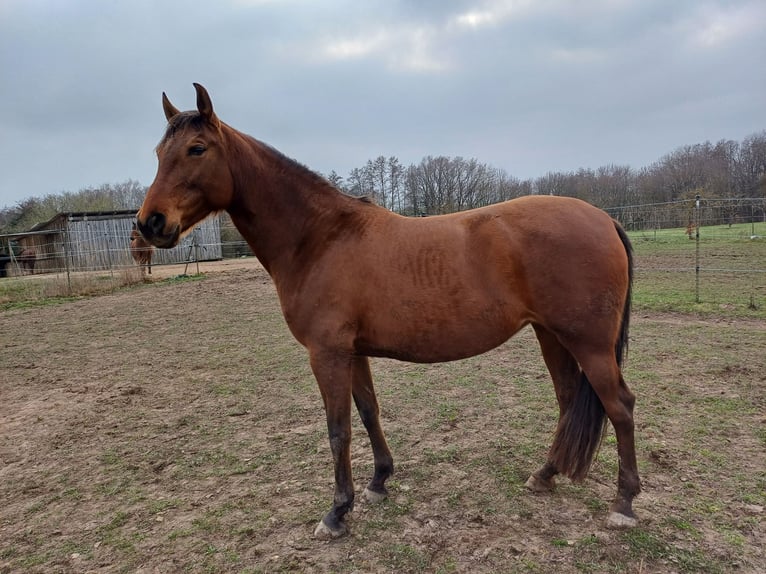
point(579, 433)
point(581, 428)
point(621, 348)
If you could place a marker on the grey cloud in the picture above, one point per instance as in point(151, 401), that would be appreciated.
point(527, 86)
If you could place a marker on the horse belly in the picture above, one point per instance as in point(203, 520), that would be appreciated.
point(428, 333)
point(453, 296)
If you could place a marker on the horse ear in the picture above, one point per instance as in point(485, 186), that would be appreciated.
point(204, 105)
point(170, 109)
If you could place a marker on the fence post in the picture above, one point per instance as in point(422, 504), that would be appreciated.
point(196, 249)
point(65, 245)
point(109, 257)
point(697, 250)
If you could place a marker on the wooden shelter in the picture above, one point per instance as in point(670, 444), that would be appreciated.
point(98, 240)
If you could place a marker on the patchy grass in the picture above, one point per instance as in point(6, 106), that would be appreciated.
point(177, 427)
point(732, 277)
point(27, 291)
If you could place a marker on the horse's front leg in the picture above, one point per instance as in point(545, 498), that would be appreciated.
point(369, 411)
point(333, 372)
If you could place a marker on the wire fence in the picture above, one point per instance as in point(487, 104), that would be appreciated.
point(697, 251)
point(80, 253)
point(701, 251)
point(88, 253)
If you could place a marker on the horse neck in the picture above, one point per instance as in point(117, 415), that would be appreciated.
point(277, 204)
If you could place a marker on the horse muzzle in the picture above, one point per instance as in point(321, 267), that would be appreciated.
point(154, 231)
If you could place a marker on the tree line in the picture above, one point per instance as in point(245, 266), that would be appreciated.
point(724, 170)
point(437, 185)
point(107, 197)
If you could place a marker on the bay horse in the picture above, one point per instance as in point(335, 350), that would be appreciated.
point(141, 250)
point(355, 280)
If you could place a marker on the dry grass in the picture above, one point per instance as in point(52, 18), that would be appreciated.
point(26, 290)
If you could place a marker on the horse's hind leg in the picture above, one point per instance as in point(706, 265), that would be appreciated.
point(565, 373)
point(369, 412)
point(606, 378)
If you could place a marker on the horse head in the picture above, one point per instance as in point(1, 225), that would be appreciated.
point(193, 177)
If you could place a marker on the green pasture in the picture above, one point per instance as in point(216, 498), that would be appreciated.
point(732, 270)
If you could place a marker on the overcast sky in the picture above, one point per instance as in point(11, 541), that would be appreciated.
point(529, 86)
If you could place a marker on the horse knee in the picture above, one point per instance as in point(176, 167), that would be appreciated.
point(339, 442)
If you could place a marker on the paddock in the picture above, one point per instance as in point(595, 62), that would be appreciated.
point(202, 446)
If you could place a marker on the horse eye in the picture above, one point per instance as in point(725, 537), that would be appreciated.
point(197, 150)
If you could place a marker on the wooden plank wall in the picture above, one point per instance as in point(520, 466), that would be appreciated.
point(105, 244)
point(102, 242)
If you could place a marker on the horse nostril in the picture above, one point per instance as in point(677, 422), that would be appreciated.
point(155, 224)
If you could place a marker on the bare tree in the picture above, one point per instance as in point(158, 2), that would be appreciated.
point(394, 180)
point(552, 183)
point(357, 183)
point(336, 180)
point(750, 167)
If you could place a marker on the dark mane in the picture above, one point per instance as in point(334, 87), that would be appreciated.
point(193, 120)
point(287, 163)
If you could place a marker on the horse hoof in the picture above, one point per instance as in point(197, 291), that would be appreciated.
point(373, 497)
point(620, 521)
point(324, 532)
point(538, 485)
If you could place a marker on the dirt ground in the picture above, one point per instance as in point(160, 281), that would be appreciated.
point(175, 427)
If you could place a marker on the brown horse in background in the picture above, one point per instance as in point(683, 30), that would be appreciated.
point(141, 250)
point(356, 281)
